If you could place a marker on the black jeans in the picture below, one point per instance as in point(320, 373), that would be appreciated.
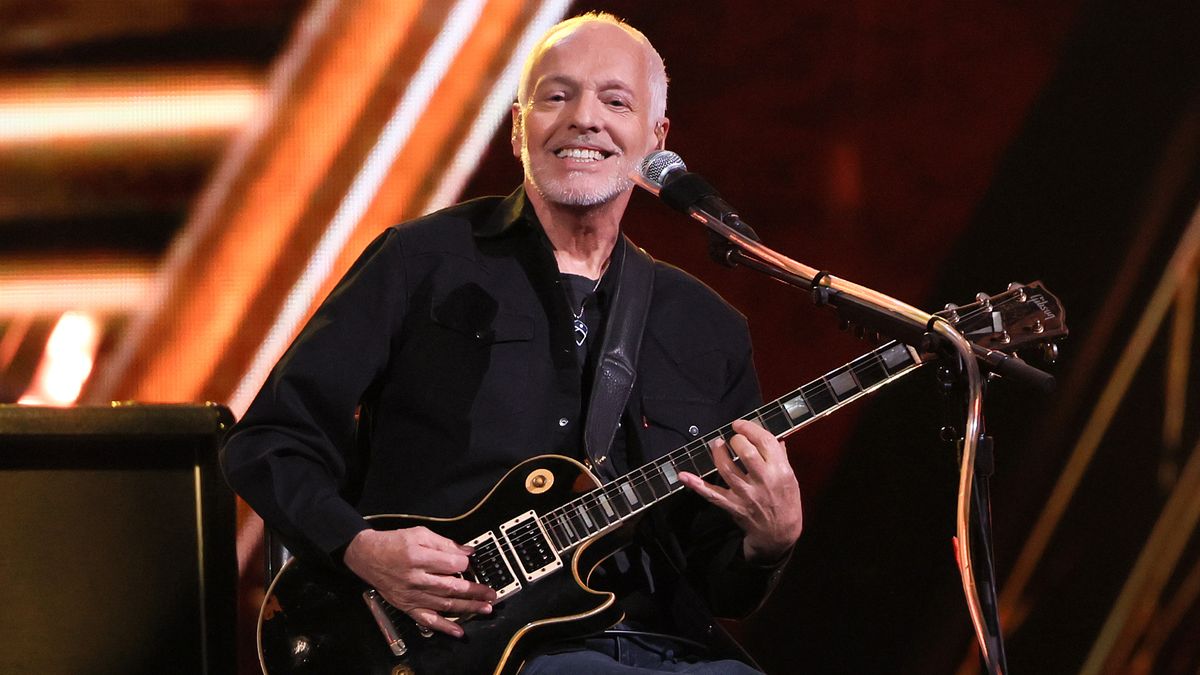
point(628, 655)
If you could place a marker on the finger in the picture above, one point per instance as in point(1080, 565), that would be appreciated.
point(717, 496)
point(764, 441)
point(752, 458)
point(457, 587)
point(438, 561)
point(434, 621)
point(732, 474)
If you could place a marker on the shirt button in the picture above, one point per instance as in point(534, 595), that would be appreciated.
point(562, 421)
point(693, 430)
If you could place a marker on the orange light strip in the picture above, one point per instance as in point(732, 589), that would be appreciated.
point(232, 248)
point(123, 103)
point(116, 285)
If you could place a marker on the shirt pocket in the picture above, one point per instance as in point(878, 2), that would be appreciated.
point(670, 423)
point(481, 370)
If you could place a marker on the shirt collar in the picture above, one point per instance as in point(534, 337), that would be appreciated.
point(513, 211)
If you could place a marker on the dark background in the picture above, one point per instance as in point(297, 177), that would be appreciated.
point(933, 150)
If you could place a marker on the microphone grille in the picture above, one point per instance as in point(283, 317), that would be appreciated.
point(656, 165)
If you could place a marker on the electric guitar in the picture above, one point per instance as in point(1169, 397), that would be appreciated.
point(543, 529)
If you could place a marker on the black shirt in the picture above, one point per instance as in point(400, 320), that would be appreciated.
point(447, 355)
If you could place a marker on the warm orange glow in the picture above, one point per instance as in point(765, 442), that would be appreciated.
point(34, 111)
point(67, 361)
point(97, 286)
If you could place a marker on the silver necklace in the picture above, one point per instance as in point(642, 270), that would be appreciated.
point(581, 328)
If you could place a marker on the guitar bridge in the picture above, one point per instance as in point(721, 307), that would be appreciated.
point(490, 566)
point(531, 546)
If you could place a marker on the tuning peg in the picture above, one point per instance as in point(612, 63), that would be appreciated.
point(1050, 352)
point(1020, 288)
point(985, 301)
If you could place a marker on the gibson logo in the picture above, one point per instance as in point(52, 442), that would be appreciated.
point(1042, 304)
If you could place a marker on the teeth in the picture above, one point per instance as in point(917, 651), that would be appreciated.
point(581, 154)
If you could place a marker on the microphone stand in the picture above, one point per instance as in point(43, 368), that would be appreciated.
point(898, 320)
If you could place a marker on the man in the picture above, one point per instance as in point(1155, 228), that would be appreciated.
point(467, 341)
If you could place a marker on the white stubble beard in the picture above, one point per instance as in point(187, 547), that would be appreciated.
point(556, 192)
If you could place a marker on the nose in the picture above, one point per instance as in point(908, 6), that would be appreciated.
point(585, 114)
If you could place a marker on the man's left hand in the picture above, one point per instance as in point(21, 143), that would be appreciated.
point(764, 499)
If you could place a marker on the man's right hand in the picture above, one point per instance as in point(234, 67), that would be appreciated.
point(417, 571)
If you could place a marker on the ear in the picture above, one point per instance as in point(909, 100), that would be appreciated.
point(660, 132)
point(518, 130)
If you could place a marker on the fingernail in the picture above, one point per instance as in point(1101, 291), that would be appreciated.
point(487, 609)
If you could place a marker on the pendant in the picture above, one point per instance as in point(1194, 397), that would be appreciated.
point(581, 331)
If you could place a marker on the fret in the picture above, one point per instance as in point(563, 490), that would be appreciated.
point(576, 521)
point(643, 488)
point(572, 535)
point(630, 495)
point(842, 383)
point(896, 358)
point(606, 504)
point(685, 459)
point(598, 514)
point(819, 397)
point(557, 534)
point(776, 421)
point(586, 517)
point(703, 461)
point(668, 471)
point(869, 370)
point(797, 408)
point(657, 481)
point(617, 499)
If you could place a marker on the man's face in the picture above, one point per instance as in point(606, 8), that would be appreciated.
point(587, 121)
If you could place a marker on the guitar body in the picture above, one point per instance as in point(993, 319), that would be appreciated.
point(314, 620)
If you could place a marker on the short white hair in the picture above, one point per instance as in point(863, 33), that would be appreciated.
point(657, 69)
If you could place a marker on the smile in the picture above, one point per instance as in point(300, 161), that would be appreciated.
point(581, 154)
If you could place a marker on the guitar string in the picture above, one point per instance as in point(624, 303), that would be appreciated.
point(772, 411)
point(589, 503)
point(767, 414)
point(641, 477)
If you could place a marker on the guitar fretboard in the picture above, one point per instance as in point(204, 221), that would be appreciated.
point(611, 504)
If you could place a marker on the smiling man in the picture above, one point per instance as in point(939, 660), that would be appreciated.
point(474, 339)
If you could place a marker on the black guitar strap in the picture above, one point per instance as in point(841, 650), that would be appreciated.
point(617, 366)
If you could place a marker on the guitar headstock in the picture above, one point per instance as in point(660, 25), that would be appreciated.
point(1021, 316)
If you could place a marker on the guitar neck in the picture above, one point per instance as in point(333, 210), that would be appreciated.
point(606, 507)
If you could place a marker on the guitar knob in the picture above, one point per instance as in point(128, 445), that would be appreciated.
point(425, 631)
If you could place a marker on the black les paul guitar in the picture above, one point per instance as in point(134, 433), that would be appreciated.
point(542, 530)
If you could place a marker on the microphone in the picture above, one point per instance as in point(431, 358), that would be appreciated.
point(664, 174)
